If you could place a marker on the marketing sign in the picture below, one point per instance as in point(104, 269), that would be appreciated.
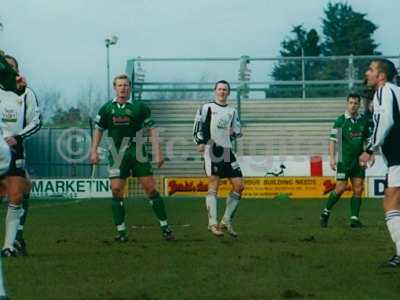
point(71, 188)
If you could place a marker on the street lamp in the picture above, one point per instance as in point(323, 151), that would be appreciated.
point(112, 40)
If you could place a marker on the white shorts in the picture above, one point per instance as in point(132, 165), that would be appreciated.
point(393, 176)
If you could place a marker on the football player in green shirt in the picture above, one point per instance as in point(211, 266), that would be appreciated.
point(125, 122)
point(347, 140)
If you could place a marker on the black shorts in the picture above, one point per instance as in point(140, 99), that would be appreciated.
point(17, 164)
point(221, 162)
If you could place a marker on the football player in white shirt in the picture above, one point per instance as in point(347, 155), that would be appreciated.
point(21, 118)
point(5, 159)
point(216, 126)
point(386, 136)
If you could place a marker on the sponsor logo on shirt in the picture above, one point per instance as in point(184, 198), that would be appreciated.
point(222, 124)
point(9, 115)
point(120, 120)
point(355, 135)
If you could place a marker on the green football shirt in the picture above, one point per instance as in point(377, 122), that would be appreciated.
point(350, 135)
point(123, 120)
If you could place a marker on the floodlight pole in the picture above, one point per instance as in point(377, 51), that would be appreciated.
point(112, 40)
point(108, 70)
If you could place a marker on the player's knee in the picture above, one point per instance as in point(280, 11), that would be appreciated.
point(357, 191)
point(213, 185)
point(340, 190)
point(212, 192)
point(117, 191)
point(239, 188)
point(15, 197)
point(391, 201)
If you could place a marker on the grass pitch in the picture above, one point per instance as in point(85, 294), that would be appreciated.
point(281, 253)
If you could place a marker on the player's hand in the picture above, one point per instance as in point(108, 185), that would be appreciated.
point(11, 141)
point(372, 160)
point(364, 159)
point(21, 83)
point(201, 148)
point(94, 158)
point(159, 160)
point(332, 163)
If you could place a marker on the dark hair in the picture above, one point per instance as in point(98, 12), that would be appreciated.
point(387, 67)
point(13, 59)
point(223, 82)
point(355, 96)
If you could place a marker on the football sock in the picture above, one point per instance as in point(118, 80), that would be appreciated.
point(332, 200)
point(12, 221)
point(393, 224)
point(118, 212)
point(2, 288)
point(211, 205)
point(355, 204)
point(22, 220)
point(232, 203)
point(157, 203)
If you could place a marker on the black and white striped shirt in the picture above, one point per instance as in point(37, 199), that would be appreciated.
point(217, 122)
point(20, 115)
point(386, 117)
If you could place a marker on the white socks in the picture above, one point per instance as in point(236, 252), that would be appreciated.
point(231, 205)
point(211, 205)
point(2, 288)
point(393, 224)
point(14, 213)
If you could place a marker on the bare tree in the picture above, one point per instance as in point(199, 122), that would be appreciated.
point(90, 99)
point(50, 100)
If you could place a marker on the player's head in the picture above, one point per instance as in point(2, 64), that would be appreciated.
point(222, 89)
point(353, 103)
point(379, 72)
point(12, 62)
point(122, 86)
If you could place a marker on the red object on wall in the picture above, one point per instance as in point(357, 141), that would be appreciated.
point(316, 165)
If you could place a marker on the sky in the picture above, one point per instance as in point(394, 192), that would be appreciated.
point(60, 43)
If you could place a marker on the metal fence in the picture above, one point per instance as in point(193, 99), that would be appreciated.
point(58, 153)
point(250, 77)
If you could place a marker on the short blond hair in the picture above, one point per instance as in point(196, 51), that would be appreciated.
point(122, 76)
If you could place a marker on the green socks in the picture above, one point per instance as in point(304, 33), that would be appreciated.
point(355, 204)
point(22, 220)
point(159, 209)
point(118, 212)
point(332, 200)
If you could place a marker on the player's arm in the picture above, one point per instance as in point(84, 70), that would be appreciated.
point(332, 146)
point(101, 125)
point(149, 123)
point(235, 131)
point(200, 134)
point(383, 122)
point(94, 157)
point(33, 116)
point(156, 146)
point(366, 136)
